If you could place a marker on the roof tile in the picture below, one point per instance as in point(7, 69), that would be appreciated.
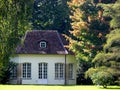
point(55, 43)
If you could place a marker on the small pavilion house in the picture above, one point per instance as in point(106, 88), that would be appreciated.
point(43, 59)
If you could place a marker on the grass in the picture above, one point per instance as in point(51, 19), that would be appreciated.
point(50, 87)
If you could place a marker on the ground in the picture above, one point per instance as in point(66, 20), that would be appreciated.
point(50, 87)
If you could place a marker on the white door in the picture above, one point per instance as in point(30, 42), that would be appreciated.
point(42, 77)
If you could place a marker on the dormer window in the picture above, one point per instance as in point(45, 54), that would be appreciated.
point(43, 44)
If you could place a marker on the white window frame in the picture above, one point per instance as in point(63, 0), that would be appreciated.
point(26, 70)
point(71, 68)
point(59, 71)
point(42, 70)
point(43, 44)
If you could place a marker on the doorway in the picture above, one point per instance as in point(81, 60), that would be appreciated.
point(43, 73)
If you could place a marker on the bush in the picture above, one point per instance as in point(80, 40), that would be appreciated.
point(6, 72)
point(100, 76)
point(103, 78)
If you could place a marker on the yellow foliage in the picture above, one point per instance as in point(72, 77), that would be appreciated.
point(76, 32)
point(78, 26)
point(77, 14)
point(100, 35)
point(76, 2)
point(86, 50)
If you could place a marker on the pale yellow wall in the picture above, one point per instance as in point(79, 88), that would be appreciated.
point(51, 60)
point(71, 59)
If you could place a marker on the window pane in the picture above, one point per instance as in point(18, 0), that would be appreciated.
point(43, 44)
point(40, 71)
point(59, 71)
point(43, 71)
point(70, 71)
point(26, 70)
point(14, 72)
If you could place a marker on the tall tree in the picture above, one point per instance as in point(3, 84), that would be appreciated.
point(14, 19)
point(110, 57)
point(88, 31)
point(51, 15)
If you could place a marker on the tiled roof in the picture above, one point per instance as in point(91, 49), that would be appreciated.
point(55, 43)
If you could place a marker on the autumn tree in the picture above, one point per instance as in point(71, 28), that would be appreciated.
point(88, 31)
point(51, 15)
point(14, 21)
point(110, 57)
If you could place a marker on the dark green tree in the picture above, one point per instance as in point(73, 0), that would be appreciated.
point(51, 15)
point(14, 21)
point(110, 57)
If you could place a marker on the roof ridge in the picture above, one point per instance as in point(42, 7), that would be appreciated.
point(66, 52)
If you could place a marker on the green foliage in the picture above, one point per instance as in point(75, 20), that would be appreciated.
point(51, 15)
point(100, 76)
point(103, 1)
point(88, 31)
point(14, 19)
point(6, 73)
point(113, 42)
point(113, 10)
point(89, 8)
point(99, 25)
point(110, 57)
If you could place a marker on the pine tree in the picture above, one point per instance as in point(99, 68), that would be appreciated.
point(110, 57)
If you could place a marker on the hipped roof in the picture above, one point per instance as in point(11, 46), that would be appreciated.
point(55, 43)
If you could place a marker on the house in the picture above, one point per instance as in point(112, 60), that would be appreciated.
point(43, 59)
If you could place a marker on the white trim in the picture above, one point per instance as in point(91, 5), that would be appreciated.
point(42, 44)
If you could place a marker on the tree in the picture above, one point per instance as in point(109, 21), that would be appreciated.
point(51, 15)
point(14, 19)
point(87, 36)
point(100, 76)
point(110, 57)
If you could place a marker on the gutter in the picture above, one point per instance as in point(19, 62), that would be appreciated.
point(65, 71)
point(66, 52)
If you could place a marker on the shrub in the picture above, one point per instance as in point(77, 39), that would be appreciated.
point(103, 78)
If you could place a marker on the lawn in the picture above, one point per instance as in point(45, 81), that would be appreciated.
point(47, 87)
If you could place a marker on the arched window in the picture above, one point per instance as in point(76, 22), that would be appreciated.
point(43, 44)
